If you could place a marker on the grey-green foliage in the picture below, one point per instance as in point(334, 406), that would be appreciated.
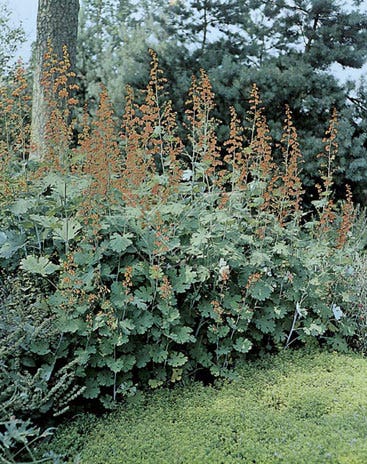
point(358, 306)
point(28, 335)
point(10, 37)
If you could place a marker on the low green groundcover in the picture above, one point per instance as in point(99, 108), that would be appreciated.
point(296, 407)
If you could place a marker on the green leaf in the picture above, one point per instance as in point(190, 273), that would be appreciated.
point(266, 324)
point(124, 364)
point(260, 290)
point(170, 314)
point(83, 354)
point(119, 243)
point(118, 297)
point(40, 347)
point(159, 354)
point(247, 239)
point(184, 280)
point(3, 238)
point(126, 326)
point(203, 273)
point(143, 356)
point(177, 359)
point(243, 345)
point(154, 383)
point(45, 221)
point(176, 375)
point(139, 303)
point(68, 325)
point(38, 265)
point(314, 329)
point(215, 332)
point(21, 206)
point(232, 301)
point(281, 249)
point(144, 294)
point(222, 350)
point(198, 242)
point(259, 258)
point(92, 389)
point(105, 378)
point(182, 335)
point(68, 230)
point(143, 322)
point(10, 243)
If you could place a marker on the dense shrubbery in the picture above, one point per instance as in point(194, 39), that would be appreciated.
point(150, 261)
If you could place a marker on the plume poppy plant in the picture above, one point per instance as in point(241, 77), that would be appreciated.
point(165, 251)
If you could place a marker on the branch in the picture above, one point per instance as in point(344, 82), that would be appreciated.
point(358, 102)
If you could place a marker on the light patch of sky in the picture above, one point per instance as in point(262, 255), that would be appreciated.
point(25, 11)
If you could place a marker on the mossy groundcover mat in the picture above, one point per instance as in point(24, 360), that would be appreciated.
point(295, 407)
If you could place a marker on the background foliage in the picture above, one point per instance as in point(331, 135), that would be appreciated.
point(289, 48)
point(11, 36)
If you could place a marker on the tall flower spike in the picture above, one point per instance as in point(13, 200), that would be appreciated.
point(327, 161)
point(15, 103)
point(103, 161)
point(135, 163)
point(235, 158)
point(173, 148)
point(291, 189)
point(260, 160)
point(59, 86)
point(201, 126)
point(151, 144)
point(348, 216)
point(328, 157)
point(255, 110)
point(260, 163)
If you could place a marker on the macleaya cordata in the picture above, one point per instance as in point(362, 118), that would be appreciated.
point(159, 252)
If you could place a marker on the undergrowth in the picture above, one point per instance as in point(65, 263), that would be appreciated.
point(296, 407)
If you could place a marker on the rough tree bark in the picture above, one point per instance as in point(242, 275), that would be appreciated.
point(57, 24)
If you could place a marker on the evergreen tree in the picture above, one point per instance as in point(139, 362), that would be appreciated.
point(286, 46)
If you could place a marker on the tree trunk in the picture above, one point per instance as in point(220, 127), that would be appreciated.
point(57, 25)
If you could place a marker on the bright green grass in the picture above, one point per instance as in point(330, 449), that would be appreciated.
point(293, 408)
